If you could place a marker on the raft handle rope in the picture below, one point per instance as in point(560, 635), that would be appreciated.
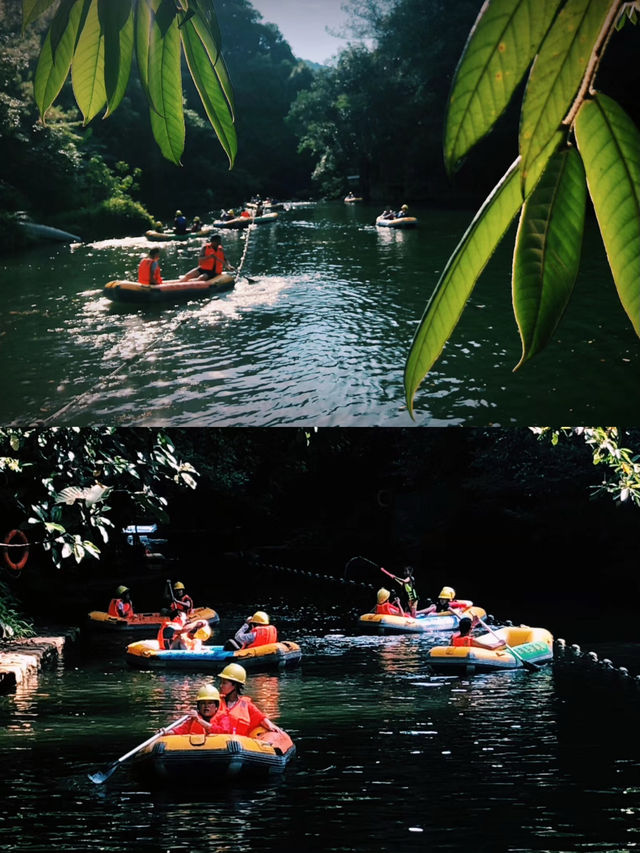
point(251, 227)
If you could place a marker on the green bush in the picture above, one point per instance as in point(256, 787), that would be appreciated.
point(116, 217)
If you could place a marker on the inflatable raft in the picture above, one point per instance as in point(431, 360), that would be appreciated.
point(168, 291)
point(352, 199)
point(402, 222)
point(245, 221)
point(145, 654)
point(144, 621)
point(534, 645)
point(213, 759)
point(380, 623)
point(158, 236)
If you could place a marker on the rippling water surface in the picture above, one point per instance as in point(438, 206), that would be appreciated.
point(320, 338)
point(389, 758)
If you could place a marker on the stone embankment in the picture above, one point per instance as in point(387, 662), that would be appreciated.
point(22, 658)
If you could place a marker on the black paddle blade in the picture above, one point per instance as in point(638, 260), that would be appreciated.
point(102, 775)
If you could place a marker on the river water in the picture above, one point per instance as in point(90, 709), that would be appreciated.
point(388, 759)
point(319, 339)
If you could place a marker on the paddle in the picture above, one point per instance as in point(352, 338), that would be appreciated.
point(527, 664)
point(102, 775)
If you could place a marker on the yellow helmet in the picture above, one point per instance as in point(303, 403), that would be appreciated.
point(234, 672)
point(208, 693)
point(447, 592)
point(178, 585)
point(121, 590)
point(260, 618)
point(203, 633)
point(383, 595)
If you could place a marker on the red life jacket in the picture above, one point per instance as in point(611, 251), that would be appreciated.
point(241, 719)
point(213, 259)
point(264, 634)
point(165, 641)
point(388, 609)
point(125, 609)
point(185, 604)
point(145, 275)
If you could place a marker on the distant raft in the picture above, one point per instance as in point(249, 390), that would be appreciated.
point(215, 759)
point(158, 236)
point(168, 291)
point(534, 645)
point(146, 654)
point(245, 221)
point(401, 222)
point(382, 623)
point(352, 199)
point(144, 621)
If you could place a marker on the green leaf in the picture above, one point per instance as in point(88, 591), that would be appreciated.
point(459, 277)
point(500, 48)
point(116, 22)
point(209, 89)
point(144, 17)
point(609, 143)
point(554, 81)
point(32, 9)
point(165, 86)
point(207, 28)
point(53, 68)
point(547, 251)
point(87, 66)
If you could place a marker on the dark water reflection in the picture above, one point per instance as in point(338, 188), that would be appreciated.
point(320, 338)
point(389, 759)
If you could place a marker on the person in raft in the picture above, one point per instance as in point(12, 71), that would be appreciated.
point(409, 585)
point(180, 223)
point(462, 637)
point(121, 605)
point(180, 601)
point(238, 714)
point(178, 634)
point(149, 268)
point(385, 607)
point(196, 225)
point(202, 720)
point(447, 602)
point(403, 211)
point(212, 261)
point(254, 631)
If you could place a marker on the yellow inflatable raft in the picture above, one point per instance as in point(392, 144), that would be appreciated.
point(216, 758)
point(534, 645)
point(144, 621)
point(380, 623)
point(145, 654)
point(168, 291)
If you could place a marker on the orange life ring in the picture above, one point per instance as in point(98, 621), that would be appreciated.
point(22, 562)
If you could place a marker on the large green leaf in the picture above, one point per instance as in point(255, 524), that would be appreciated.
point(609, 143)
point(500, 48)
point(165, 87)
point(53, 66)
point(459, 278)
point(87, 66)
point(207, 29)
point(116, 22)
point(555, 79)
point(208, 86)
point(32, 9)
point(144, 15)
point(547, 251)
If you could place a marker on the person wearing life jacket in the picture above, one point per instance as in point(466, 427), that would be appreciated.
point(121, 605)
point(238, 714)
point(196, 225)
point(202, 716)
point(385, 607)
point(409, 585)
point(404, 211)
point(212, 261)
point(170, 632)
point(196, 634)
point(462, 637)
point(447, 602)
point(254, 631)
point(149, 269)
point(180, 223)
point(180, 601)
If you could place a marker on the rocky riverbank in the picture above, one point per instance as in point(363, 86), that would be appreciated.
point(22, 658)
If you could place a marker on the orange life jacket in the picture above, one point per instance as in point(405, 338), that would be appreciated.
point(163, 641)
point(388, 609)
point(213, 259)
point(145, 275)
point(185, 604)
point(457, 640)
point(241, 719)
point(264, 634)
point(125, 610)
